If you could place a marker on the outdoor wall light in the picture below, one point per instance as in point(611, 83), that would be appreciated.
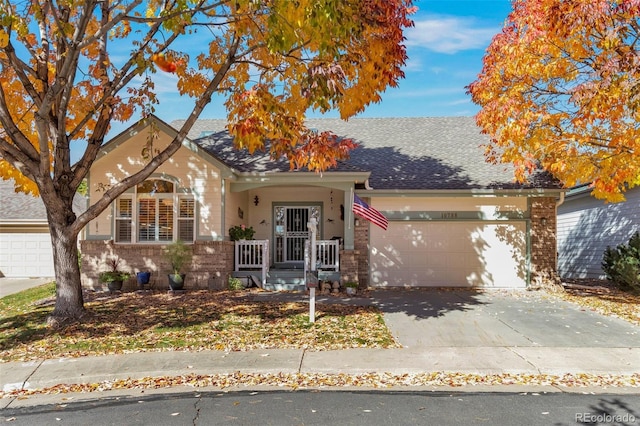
point(256, 200)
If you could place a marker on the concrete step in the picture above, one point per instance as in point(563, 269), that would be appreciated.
point(283, 279)
point(275, 286)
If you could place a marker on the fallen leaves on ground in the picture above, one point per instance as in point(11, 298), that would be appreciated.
point(605, 299)
point(195, 320)
point(296, 381)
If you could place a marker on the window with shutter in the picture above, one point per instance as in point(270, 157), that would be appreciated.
point(124, 214)
point(186, 218)
point(161, 215)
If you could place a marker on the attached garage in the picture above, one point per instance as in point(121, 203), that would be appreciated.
point(449, 254)
point(450, 242)
point(26, 252)
point(25, 242)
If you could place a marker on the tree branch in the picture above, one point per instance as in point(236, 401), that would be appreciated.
point(21, 141)
point(118, 189)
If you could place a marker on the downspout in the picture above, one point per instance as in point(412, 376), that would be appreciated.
point(558, 204)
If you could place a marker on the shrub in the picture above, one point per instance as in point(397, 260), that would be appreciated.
point(241, 232)
point(235, 284)
point(114, 273)
point(622, 264)
point(178, 255)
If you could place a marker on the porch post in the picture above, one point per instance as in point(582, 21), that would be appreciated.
point(348, 219)
point(313, 228)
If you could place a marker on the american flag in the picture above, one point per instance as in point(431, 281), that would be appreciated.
point(367, 212)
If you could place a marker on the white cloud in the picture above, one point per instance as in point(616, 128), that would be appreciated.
point(437, 92)
point(460, 102)
point(450, 34)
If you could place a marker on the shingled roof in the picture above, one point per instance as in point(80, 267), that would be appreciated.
point(401, 153)
point(20, 207)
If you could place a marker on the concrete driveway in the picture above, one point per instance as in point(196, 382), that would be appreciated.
point(488, 332)
point(15, 285)
point(460, 318)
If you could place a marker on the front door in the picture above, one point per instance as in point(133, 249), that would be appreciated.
point(290, 232)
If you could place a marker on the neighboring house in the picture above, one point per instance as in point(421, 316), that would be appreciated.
point(454, 220)
point(586, 226)
point(25, 242)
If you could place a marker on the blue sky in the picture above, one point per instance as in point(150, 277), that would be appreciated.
point(445, 54)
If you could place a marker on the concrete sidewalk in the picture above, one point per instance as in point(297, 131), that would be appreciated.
point(447, 331)
point(16, 285)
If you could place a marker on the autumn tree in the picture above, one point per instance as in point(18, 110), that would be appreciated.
point(64, 79)
point(560, 89)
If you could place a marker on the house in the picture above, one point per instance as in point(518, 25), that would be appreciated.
point(25, 241)
point(454, 220)
point(586, 226)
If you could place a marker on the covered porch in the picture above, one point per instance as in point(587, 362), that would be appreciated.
point(251, 262)
point(278, 257)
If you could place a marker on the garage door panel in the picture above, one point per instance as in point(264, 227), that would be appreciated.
point(26, 255)
point(458, 254)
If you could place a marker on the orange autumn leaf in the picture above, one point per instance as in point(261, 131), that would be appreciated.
point(560, 87)
point(165, 64)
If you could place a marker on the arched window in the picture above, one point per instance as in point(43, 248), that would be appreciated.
point(155, 213)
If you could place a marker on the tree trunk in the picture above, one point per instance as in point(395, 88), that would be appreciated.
point(69, 301)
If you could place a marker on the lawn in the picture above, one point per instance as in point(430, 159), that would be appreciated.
point(195, 320)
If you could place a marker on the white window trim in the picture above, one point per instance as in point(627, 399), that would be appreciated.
point(117, 217)
point(176, 196)
point(177, 219)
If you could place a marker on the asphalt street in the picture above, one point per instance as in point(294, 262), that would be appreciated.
point(345, 408)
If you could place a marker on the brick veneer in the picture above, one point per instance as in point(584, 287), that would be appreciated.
point(349, 266)
point(211, 264)
point(361, 245)
point(543, 241)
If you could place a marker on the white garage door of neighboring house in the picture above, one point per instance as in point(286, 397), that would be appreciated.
point(26, 254)
point(449, 254)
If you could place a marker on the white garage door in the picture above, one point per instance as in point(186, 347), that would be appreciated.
point(449, 254)
point(26, 255)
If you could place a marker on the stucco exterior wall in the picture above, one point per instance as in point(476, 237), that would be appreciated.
point(487, 205)
point(190, 171)
point(236, 205)
point(261, 216)
point(586, 226)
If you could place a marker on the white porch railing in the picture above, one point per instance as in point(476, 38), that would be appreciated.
point(252, 254)
point(327, 254)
